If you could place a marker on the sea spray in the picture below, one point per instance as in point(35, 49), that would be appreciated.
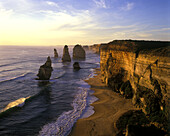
point(65, 122)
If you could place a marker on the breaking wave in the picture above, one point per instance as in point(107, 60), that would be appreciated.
point(18, 103)
point(65, 121)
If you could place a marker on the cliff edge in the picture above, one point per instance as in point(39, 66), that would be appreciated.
point(140, 70)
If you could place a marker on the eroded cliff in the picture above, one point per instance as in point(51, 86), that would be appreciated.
point(95, 48)
point(139, 70)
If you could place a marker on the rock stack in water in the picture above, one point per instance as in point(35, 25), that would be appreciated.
point(79, 52)
point(66, 55)
point(45, 70)
point(76, 66)
point(55, 53)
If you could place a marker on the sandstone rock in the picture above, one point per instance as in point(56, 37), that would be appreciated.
point(79, 52)
point(45, 70)
point(147, 67)
point(131, 117)
point(115, 82)
point(126, 89)
point(66, 55)
point(134, 99)
point(76, 66)
point(55, 53)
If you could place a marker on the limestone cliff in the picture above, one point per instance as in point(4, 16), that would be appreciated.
point(95, 48)
point(139, 70)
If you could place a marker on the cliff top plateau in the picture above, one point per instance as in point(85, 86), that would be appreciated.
point(160, 48)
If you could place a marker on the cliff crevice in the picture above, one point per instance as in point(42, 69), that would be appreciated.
point(139, 70)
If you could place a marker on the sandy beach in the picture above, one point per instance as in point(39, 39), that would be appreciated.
point(108, 109)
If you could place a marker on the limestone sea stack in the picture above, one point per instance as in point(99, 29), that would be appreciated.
point(76, 66)
point(79, 52)
point(55, 53)
point(66, 56)
point(45, 70)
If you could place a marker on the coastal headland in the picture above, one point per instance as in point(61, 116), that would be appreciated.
point(133, 87)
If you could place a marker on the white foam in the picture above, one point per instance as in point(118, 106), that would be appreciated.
point(65, 122)
point(81, 109)
point(88, 112)
point(89, 109)
point(91, 75)
point(90, 99)
point(18, 103)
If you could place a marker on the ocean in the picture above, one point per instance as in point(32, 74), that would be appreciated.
point(29, 107)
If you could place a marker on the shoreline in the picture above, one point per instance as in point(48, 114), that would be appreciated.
point(108, 108)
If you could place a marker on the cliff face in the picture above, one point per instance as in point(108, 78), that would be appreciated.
point(139, 70)
point(95, 48)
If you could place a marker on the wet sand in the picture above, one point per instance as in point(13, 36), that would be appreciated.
point(108, 109)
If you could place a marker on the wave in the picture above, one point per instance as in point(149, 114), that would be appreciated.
point(9, 70)
point(15, 78)
point(53, 78)
point(90, 75)
point(59, 75)
point(89, 109)
point(18, 103)
point(65, 122)
point(18, 62)
point(90, 99)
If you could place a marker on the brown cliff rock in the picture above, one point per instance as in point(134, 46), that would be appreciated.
point(55, 53)
point(45, 70)
point(139, 69)
point(79, 52)
point(66, 55)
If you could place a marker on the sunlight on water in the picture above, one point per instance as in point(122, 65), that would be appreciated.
point(18, 103)
point(56, 105)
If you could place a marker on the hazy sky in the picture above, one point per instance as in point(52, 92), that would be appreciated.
point(60, 22)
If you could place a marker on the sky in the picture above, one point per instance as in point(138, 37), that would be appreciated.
point(86, 22)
